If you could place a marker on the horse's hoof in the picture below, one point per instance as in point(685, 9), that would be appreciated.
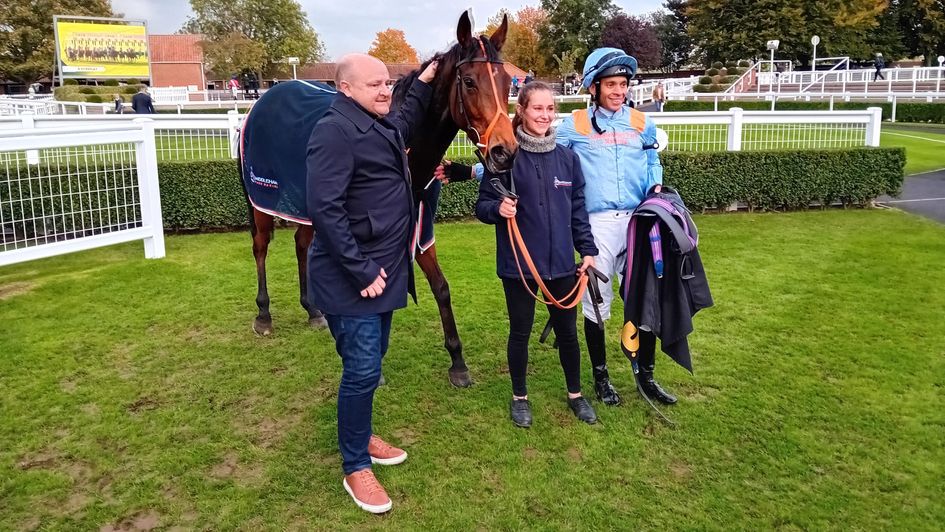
point(460, 378)
point(262, 327)
point(318, 323)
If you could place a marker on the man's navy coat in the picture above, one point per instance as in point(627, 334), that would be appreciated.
point(361, 205)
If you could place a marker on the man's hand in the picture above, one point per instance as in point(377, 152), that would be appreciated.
point(586, 262)
point(507, 208)
point(427, 75)
point(377, 287)
point(657, 188)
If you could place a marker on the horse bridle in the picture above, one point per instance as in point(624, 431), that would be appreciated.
point(482, 140)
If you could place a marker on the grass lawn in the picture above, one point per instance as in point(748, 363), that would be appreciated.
point(134, 393)
point(924, 149)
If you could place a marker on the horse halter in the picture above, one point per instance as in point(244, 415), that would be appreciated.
point(481, 141)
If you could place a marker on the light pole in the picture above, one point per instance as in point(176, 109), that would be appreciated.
point(815, 40)
point(293, 61)
point(772, 45)
point(938, 82)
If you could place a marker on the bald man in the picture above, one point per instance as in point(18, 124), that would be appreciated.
point(360, 271)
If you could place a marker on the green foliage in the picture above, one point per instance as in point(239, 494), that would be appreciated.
point(133, 81)
point(715, 87)
point(274, 30)
point(130, 89)
point(94, 98)
point(731, 64)
point(780, 180)
point(701, 87)
point(705, 80)
point(905, 112)
point(712, 72)
point(744, 64)
point(728, 80)
point(574, 26)
point(202, 195)
point(70, 82)
point(717, 65)
point(87, 90)
point(111, 83)
point(27, 50)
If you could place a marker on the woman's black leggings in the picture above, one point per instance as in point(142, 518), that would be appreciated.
point(521, 307)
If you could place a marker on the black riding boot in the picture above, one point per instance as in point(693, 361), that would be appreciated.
point(646, 363)
point(595, 348)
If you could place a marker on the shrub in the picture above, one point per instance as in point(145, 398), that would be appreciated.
point(70, 82)
point(712, 72)
point(717, 65)
point(94, 98)
point(87, 90)
point(744, 64)
point(129, 89)
point(111, 83)
point(731, 64)
point(133, 81)
point(715, 87)
point(729, 79)
point(702, 87)
point(705, 80)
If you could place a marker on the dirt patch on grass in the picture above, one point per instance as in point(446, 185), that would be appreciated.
point(680, 470)
point(144, 520)
point(574, 454)
point(530, 453)
point(40, 460)
point(11, 290)
point(231, 468)
point(143, 404)
point(404, 436)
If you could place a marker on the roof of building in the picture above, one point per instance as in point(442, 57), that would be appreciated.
point(182, 48)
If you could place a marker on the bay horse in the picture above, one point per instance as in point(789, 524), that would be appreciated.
point(469, 93)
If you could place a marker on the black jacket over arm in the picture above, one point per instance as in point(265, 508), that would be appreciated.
point(361, 206)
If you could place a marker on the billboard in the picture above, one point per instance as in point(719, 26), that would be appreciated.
point(101, 48)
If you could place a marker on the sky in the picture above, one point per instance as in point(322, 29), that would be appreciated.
point(429, 25)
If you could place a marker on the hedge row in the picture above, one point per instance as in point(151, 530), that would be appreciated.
point(905, 112)
point(206, 194)
point(201, 195)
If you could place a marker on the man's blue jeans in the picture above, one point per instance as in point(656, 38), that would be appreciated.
point(361, 342)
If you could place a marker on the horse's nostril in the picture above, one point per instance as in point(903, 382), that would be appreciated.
point(499, 154)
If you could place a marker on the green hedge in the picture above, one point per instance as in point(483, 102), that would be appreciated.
point(905, 112)
point(206, 195)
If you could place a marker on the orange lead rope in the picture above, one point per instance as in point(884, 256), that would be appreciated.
point(517, 242)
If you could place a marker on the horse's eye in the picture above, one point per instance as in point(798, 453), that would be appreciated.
point(469, 83)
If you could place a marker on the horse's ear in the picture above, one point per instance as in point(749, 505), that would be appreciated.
point(498, 38)
point(464, 30)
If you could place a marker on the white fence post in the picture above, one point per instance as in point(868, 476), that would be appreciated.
point(233, 121)
point(735, 130)
point(893, 116)
point(873, 126)
point(150, 191)
point(32, 156)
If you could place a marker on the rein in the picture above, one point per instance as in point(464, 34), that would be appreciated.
point(481, 141)
point(569, 300)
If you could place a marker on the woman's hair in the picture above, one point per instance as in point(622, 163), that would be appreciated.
point(525, 95)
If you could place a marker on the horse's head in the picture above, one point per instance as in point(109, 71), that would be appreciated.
point(479, 94)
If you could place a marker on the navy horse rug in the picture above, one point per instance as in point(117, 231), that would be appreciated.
point(273, 149)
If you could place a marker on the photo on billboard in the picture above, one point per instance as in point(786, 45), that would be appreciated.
point(101, 48)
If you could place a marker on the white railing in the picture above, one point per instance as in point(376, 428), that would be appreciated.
point(172, 95)
point(842, 64)
point(76, 188)
point(177, 137)
point(15, 106)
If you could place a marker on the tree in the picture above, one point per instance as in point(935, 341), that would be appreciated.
point(921, 23)
point(738, 29)
point(574, 25)
point(232, 54)
point(567, 63)
point(634, 36)
point(390, 46)
point(522, 44)
point(27, 43)
point(670, 28)
point(280, 27)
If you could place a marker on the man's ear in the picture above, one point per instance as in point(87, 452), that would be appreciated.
point(345, 88)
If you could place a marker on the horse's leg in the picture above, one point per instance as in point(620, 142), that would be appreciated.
point(459, 373)
point(303, 237)
point(263, 225)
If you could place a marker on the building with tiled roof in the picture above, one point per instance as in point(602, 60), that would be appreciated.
point(177, 61)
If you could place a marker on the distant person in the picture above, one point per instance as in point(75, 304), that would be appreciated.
point(529, 77)
point(141, 102)
point(880, 64)
point(234, 86)
point(119, 104)
point(659, 96)
point(515, 85)
point(31, 91)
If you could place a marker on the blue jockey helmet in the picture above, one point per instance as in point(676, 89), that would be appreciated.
point(608, 62)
